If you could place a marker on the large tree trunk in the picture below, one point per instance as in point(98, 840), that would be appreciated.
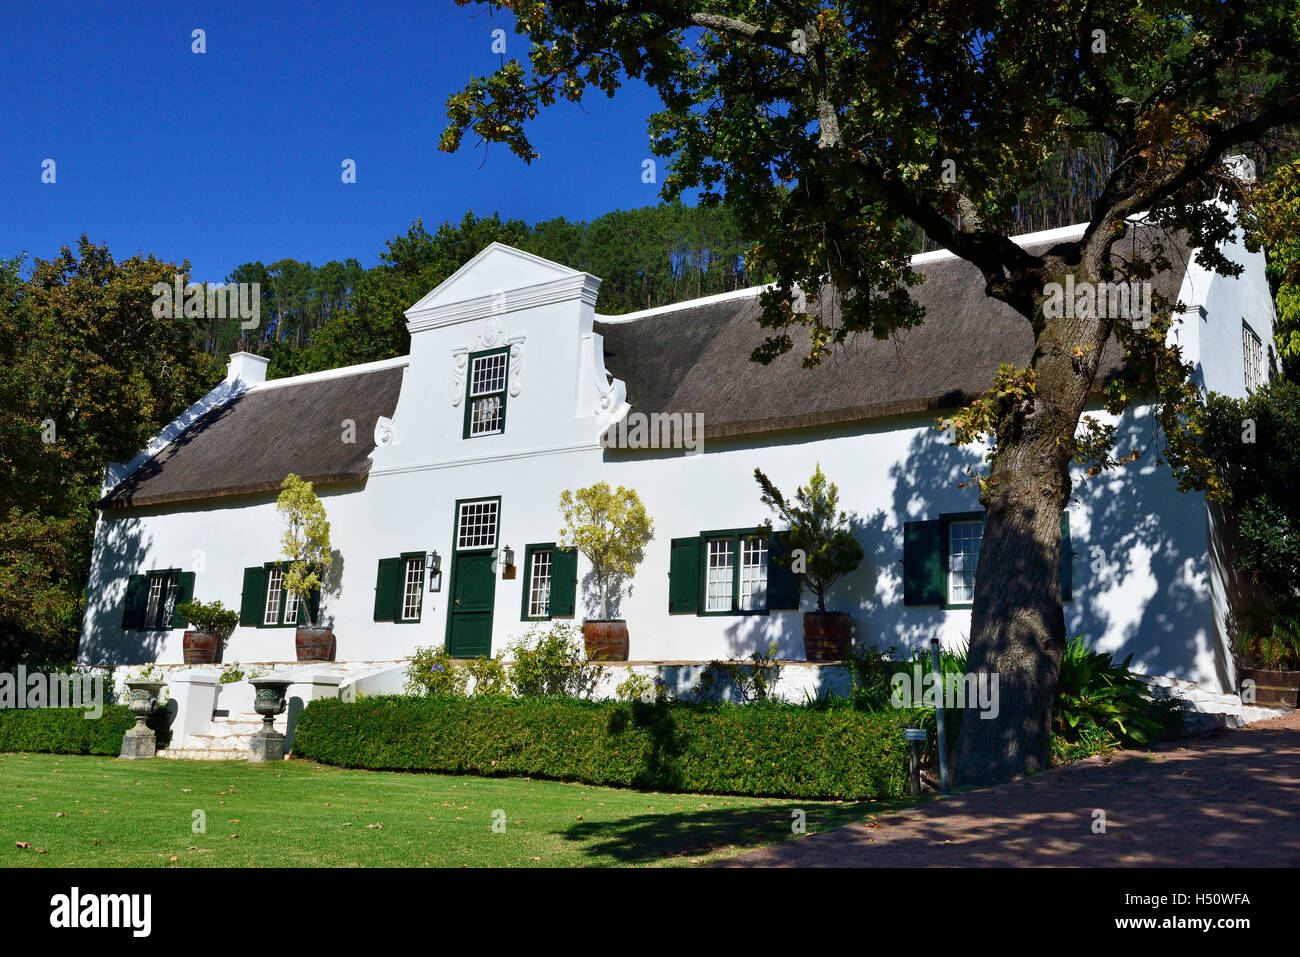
point(1017, 621)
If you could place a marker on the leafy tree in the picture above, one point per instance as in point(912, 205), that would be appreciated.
point(1254, 444)
point(87, 376)
point(611, 528)
point(306, 541)
point(837, 129)
point(1274, 224)
point(818, 528)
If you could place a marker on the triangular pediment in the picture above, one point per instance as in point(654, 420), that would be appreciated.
point(496, 269)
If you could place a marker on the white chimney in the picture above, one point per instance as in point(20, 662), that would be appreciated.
point(247, 368)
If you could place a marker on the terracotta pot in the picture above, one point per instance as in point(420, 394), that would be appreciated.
point(827, 636)
point(1273, 689)
point(315, 643)
point(605, 640)
point(201, 648)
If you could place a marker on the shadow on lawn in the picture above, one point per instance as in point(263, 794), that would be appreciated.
point(655, 838)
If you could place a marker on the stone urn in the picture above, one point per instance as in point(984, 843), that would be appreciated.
point(142, 700)
point(267, 744)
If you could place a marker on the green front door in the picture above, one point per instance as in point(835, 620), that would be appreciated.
point(473, 588)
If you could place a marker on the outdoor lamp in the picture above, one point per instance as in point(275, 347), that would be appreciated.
point(508, 557)
point(435, 571)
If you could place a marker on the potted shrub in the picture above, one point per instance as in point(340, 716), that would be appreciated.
point(823, 550)
point(306, 545)
point(212, 625)
point(611, 528)
point(1272, 652)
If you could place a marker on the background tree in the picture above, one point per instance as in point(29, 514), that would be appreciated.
point(837, 129)
point(87, 376)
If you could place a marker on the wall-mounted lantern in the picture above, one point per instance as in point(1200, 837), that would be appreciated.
point(435, 571)
point(508, 562)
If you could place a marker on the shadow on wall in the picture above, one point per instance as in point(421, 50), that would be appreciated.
point(1141, 575)
point(1138, 565)
point(120, 550)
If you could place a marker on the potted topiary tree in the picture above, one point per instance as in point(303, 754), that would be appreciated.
point(823, 550)
point(611, 528)
point(212, 626)
point(306, 545)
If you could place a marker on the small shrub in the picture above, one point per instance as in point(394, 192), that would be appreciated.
point(552, 663)
point(749, 682)
point(210, 618)
point(636, 687)
point(234, 673)
point(1089, 742)
point(434, 672)
point(489, 676)
point(1093, 691)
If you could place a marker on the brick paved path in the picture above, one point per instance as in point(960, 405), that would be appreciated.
point(1229, 799)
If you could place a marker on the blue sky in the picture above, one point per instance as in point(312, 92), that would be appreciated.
point(235, 155)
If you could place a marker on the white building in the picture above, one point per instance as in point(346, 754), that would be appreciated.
point(463, 448)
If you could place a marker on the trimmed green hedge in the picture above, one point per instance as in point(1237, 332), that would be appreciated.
point(756, 749)
point(69, 731)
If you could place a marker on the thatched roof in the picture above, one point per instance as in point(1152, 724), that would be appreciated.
point(696, 359)
point(252, 442)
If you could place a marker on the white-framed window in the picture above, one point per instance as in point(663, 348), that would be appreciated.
point(274, 584)
point(477, 524)
point(753, 574)
point(539, 584)
point(161, 600)
point(413, 589)
point(487, 394)
point(963, 558)
point(290, 608)
point(1252, 354)
point(721, 562)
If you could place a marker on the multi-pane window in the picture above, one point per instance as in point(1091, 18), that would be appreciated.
point(753, 574)
point(539, 585)
point(274, 585)
point(413, 589)
point(477, 524)
point(1252, 351)
point(290, 608)
point(161, 600)
point(963, 559)
point(487, 394)
point(719, 577)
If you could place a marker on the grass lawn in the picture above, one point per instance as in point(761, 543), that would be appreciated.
point(105, 812)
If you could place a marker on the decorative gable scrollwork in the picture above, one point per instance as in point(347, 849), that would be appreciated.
point(491, 335)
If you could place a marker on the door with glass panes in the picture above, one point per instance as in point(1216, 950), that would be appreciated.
point(473, 578)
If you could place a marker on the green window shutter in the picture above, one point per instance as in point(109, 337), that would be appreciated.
point(313, 605)
point(782, 582)
point(1067, 559)
point(923, 563)
point(387, 588)
point(564, 582)
point(684, 575)
point(137, 592)
point(184, 593)
point(253, 599)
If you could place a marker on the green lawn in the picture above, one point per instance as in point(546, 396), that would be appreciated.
point(105, 812)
